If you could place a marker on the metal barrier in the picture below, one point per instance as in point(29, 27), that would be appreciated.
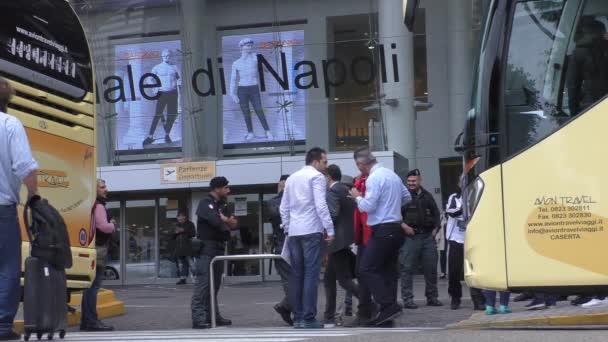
point(230, 257)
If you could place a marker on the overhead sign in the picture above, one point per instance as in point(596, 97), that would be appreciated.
point(187, 172)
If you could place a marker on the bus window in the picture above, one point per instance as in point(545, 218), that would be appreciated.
point(557, 66)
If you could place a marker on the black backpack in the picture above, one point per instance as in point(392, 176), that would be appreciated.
point(48, 233)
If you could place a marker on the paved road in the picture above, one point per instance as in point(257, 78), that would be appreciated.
point(162, 313)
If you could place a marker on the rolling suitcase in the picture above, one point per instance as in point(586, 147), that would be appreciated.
point(44, 299)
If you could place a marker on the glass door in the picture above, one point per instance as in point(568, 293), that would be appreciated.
point(245, 239)
point(112, 272)
point(140, 241)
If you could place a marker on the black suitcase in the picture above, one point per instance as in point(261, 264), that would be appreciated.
point(44, 299)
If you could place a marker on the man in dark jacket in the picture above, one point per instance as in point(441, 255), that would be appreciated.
point(421, 223)
point(213, 231)
point(184, 232)
point(283, 308)
point(340, 259)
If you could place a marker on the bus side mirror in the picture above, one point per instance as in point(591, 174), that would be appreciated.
point(409, 13)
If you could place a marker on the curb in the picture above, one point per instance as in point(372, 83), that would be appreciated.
point(556, 320)
point(107, 306)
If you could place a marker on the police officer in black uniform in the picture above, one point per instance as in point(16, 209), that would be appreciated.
point(283, 308)
point(421, 222)
point(213, 231)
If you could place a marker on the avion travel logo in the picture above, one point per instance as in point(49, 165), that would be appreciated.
point(53, 179)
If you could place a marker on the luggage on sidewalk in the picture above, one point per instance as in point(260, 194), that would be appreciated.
point(44, 299)
point(45, 284)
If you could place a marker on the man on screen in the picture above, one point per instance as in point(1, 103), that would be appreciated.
point(244, 87)
point(168, 92)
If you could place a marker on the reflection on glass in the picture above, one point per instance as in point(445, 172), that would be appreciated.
point(139, 237)
point(245, 239)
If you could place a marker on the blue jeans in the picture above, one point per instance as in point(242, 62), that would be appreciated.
point(491, 298)
point(305, 252)
point(183, 266)
point(89, 300)
point(10, 267)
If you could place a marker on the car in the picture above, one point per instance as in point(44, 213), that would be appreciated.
point(138, 270)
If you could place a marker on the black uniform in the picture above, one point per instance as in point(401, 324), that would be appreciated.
point(213, 235)
point(423, 216)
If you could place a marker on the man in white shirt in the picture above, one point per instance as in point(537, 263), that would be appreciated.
point(305, 217)
point(168, 93)
point(17, 166)
point(244, 87)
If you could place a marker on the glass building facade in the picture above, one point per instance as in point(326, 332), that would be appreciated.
point(248, 86)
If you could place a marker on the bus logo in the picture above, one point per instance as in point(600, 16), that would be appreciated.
point(82, 237)
point(53, 179)
point(42, 124)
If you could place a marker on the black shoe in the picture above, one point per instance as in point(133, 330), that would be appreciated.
point(479, 307)
point(348, 311)
point(410, 305)
point(455, 305)
point(359, 321)
point(168, 139)
point(523, 297)
point(580, 300)
point(148, 141)
point(97, 326)
point(221, 321)
point(386, 315)
point(434, 302)
point(181, 282)
point(536, 304)
point(10, 336)
point(285, 314)
point(201, 326)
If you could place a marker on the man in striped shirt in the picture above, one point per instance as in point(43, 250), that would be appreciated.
point(17, 166)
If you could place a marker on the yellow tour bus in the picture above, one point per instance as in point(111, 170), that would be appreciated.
point(534, 149)
point(46, 57)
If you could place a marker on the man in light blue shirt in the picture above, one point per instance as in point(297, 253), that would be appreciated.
point(385, 194)
point(16, 166)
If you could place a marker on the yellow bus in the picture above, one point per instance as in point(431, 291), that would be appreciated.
point(46, 57)
point(534, 149)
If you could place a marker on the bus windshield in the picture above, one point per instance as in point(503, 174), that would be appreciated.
point(555, 66)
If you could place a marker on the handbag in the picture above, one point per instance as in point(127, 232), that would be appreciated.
point(102, 255)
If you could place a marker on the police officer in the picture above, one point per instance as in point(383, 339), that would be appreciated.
point(421, 223)
point(213, 231)
point(278, 235)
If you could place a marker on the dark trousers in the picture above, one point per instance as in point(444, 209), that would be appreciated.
point(305, 253)
point(379, 267)
point(443, 257)
point(364, 310)
point(247, 94)
point(415, 248)
point(456, 269)
point(456, 274)
point(284, 271)
point(183, 266)
point(89, 300)
point(201, 301)
point(166, 99)
point(10, 267)
point(339, 268)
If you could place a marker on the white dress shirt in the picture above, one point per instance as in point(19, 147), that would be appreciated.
point(385, 194)
point(16, 161)
point(304, 208)
point(168, 75)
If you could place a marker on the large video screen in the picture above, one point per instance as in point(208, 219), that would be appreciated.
point(148, 102)
point(256, 107)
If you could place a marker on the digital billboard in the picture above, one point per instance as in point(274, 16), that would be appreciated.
point(147, 95)
point(261, 104)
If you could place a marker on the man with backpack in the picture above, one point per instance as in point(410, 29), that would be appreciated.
point(104, 227)
point(17, 166)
